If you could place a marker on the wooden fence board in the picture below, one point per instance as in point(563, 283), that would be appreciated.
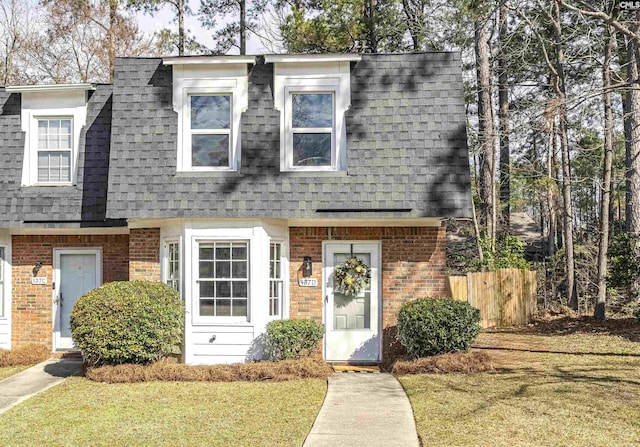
point(505, 297)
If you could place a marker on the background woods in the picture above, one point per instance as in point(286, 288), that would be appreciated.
point(552, 95)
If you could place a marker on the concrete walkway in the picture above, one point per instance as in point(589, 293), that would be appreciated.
point(364, 409)
point(21, 386)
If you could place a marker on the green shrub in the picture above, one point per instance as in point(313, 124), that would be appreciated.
point(429, 326)
point(128, 322)
point(292, 339)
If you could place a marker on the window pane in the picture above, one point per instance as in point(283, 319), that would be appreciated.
point(206, 252)
point(223, 308)
point(239, 269)
point(223, 269)
point(206, 289)
point(210, 150)
point(312, 110)
point(223, 289)
point(206, 269)
point(42, 127)
point(239, 308)
point(223, 252)
point(239, 289)
point(65, 126)
point(210, 112)
point(312, 149)
point(54, 127)
point(239, 252)
point(207, 308)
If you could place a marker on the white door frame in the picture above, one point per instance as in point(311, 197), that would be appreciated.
point(57, 252)
point(325, 297)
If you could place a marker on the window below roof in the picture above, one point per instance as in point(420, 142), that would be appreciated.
point(312, 97)
point(54, 150)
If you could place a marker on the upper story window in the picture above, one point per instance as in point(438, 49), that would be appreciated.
point(312, 131)
point(312, 93)
point(210, 130)
point(55, 148)
point(209, 96)
point(52, 118)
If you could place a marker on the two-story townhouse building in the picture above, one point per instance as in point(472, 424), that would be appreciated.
point(241, 181)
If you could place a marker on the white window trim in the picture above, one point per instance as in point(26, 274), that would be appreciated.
point(39, 102)
point(165, 262)
point(289, 129)
point(227, 79)
point(318, 77)
point(284, 277)
point(195, 303)
point(35, 149)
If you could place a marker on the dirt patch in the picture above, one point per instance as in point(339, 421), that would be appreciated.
point(24, 355)
point(248, 372)
point(466, 362)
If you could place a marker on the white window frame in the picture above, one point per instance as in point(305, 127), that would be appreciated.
point(200, 319)
point(211, 75)
point(290, 130)
point(166, 263)
point(312, 74)
point(35, 149)
point(51, 102)
point(281, 280)
point(188, 132)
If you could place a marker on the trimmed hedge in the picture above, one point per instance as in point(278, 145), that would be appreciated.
point(128, 322)
point(292, 339)
point(429, 326)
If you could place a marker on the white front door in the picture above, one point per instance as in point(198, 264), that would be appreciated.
point(77, 272)
point(352, 324)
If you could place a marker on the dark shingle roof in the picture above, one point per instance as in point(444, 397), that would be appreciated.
point(406, 148)
point(86, 201)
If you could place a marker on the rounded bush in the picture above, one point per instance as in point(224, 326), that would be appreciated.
point(128, 322)
point(429, 326)
point(292, 339)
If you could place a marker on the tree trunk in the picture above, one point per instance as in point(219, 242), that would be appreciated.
point(243, 26)
point(181, 27)
point(486, 135)
point(633, 167)
point(599, 313)
point(567, 218)
point(551, 173)
point(113, 11)
point(503, 116)
point(370, 22)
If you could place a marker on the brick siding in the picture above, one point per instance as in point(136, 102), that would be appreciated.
point(144, 251)
point(413, 266)
point(32, 315)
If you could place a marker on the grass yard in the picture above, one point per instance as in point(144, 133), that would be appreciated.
point(6, 371)
point(81, 412)
point(545, 391)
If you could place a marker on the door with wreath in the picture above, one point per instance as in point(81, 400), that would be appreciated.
point(352, 301)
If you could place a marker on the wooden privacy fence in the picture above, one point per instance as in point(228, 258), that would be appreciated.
point(505, 297)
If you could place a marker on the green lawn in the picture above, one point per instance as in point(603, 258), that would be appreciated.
point(80, 412)
point(6, 371)
point(556, 397)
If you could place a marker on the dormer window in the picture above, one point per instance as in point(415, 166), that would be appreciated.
point(312, 93)
point(52, 118)
point(209, 96)
point(55, 148)
point(312, 129)
point(210, 130)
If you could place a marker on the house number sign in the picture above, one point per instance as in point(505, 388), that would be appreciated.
point(308, 282)
point(39, 280)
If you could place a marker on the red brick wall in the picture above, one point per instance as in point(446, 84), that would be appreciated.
point(144, 251)
point(32, 319)
point(413, 266)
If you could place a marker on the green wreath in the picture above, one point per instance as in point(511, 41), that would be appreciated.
point(352, 276)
